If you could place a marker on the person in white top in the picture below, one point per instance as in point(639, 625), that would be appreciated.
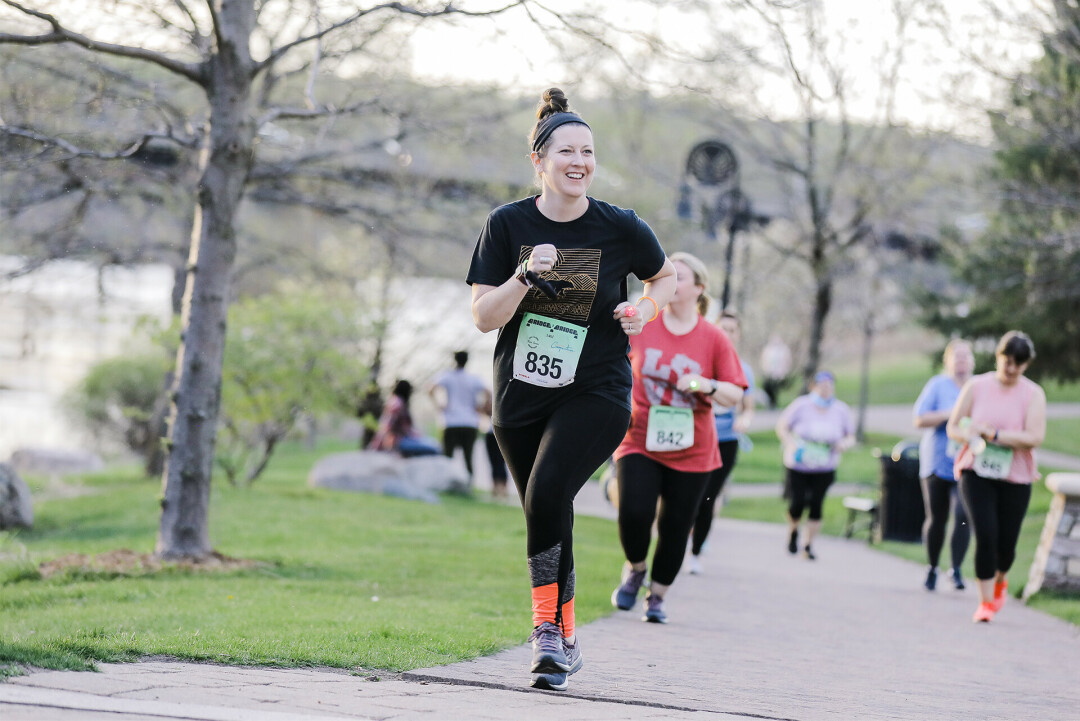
point(458, 394)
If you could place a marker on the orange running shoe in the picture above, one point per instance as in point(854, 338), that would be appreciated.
point(999, 595)
point(984, 613)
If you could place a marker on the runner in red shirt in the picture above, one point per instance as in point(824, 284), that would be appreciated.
point(680, 364)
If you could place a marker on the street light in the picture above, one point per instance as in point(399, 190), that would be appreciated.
point(712, 178)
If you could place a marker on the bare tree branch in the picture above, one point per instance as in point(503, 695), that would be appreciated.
point(60, 34)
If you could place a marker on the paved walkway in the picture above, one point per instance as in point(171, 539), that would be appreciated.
point(761, 635)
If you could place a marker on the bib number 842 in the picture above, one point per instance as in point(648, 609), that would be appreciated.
point(669, 438)
point(543, 365)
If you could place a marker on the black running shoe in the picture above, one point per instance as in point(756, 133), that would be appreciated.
point(931, 579)
point(809, 554)
point(958, 580)
point(793, 542)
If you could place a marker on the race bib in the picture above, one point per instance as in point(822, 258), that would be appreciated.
point(670, 429)
point(548, 351)
point(994, 462)
point(813, 455)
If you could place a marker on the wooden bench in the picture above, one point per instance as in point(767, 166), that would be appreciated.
point(858, 506)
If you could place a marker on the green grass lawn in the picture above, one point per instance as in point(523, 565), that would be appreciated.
point(1063, 435)
point(349, 580)
point(762, 464)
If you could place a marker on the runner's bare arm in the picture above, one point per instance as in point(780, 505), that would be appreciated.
point(1034, 426)
point(660, 288)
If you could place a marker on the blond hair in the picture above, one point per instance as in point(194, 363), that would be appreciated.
point(701, 276)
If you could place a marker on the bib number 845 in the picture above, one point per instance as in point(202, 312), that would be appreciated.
point(543, 365)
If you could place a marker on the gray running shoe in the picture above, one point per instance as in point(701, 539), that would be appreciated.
point(548, 654)
point(654, 610)
point(625, 596)
point(573, 656)
point(549, 681)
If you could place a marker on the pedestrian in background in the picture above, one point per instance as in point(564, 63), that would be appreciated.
point(936, 456)
point(1000, 417)
point(732, 423)
point(458, 394)
point(814, 430)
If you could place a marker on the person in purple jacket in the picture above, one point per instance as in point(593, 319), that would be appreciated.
point(813, 430)
point(936, 455)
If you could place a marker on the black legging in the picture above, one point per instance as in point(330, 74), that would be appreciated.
point(938, 494)
point(996, 510)
point(550, 461)
point(729, 451)
point(801, 485)
point(462, 437)
point(495, 458)
point(643, 482)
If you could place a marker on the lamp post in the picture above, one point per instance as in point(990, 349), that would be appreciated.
point(712, 178)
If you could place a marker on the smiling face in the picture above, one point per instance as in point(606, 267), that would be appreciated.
point(567, 166)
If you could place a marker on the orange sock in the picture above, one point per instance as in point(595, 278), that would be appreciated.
point(545, 601)
point(568, 618)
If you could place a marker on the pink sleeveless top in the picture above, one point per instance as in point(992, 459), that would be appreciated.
point(1004, 408)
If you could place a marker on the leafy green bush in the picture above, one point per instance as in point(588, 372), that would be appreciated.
point(119, 399)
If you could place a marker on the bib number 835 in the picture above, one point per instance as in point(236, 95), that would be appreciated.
point(543, 365)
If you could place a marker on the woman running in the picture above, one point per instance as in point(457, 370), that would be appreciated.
point(1001, 418)
point(936, 455)
point(813, 430)
point(681, 364)
point(549, 273)
point(731, 423)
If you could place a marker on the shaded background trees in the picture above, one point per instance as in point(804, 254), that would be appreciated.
point(1024, 272)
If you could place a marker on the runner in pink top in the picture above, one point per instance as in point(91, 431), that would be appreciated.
point(1000, 418)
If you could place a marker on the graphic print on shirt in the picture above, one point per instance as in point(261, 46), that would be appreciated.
point(575, 276)
point(659, 380)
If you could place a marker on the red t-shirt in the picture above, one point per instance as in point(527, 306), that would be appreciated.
point(658, 359)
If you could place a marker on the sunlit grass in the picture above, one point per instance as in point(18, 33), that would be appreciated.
point(346, 580)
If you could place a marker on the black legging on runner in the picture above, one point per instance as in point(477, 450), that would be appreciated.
point(550, 460)
point(939, 494)
point(808, 489)
point(729, 451)
point(642, 482)
point(462, 437)
point(996, 510)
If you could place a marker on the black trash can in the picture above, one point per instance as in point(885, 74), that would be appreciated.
point(901, 508)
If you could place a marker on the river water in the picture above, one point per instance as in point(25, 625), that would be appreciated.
point(59, 320)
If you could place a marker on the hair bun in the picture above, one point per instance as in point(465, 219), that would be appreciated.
point(552, 101)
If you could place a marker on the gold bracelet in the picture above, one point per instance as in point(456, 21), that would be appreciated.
point(656, 308)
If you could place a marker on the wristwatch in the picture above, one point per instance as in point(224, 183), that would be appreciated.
point(521, 274)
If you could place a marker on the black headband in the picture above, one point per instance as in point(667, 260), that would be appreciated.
point(547, 127)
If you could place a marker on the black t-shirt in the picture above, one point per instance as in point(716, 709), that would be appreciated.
point(596, 253)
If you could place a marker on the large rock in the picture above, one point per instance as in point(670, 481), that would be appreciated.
point(420, 478)
point(55, 462)
point(16, 508)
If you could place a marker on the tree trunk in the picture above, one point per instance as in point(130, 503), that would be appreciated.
point(822, 304)
point(225, 165)
point(864, 373)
